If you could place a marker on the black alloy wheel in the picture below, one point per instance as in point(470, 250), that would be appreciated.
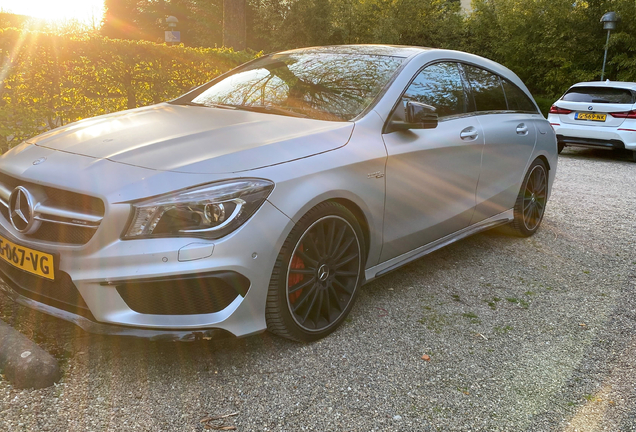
point(530, 205)
point(317, 274)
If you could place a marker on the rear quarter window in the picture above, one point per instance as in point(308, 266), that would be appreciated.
point(517, 99)
point(599, 95)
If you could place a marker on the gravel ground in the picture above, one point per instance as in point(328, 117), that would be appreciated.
point(534, 334)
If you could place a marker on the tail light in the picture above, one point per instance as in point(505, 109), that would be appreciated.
point(624, 114)
point(556, 110)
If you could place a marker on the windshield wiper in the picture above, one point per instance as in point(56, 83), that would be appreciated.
point(207, 105)
point(270, 110)
point(191, 104)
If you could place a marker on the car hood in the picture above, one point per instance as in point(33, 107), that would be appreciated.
point(196, 140)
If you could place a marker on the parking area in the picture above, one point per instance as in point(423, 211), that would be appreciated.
point(491, 333)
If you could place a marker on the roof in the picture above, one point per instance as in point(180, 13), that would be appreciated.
point(386, 50)
point(608, 83)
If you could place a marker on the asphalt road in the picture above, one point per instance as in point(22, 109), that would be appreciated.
point(534, 334)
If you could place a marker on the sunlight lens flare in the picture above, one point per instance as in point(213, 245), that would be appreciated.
point(83, 11)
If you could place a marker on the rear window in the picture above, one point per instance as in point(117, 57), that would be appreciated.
point(599, 95)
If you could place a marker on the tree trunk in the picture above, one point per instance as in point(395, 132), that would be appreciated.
point(234, 13)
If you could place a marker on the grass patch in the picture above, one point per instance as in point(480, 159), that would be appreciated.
point(433, 320)
point(455, 297)
point(474, 319)
point(492, 303)
point(503, 330)
point(524, 304)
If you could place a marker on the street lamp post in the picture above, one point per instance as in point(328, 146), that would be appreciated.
point(609, 21)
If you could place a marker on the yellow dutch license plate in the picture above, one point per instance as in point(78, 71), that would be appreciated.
point(27, 259)
point(590, 116)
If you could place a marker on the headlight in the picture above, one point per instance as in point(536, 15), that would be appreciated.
point(210, 211)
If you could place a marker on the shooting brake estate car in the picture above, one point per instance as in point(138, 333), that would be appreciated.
point(265, 198)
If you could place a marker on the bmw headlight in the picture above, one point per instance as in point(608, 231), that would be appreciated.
point(210, 211)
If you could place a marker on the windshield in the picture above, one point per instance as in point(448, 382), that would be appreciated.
point(325, 86)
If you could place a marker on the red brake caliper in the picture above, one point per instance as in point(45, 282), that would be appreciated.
point(294, 278)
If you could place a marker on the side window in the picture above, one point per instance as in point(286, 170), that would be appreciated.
point(439, 85)
point(517, 99)
point(487, 89)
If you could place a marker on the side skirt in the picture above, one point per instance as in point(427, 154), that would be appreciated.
point(394, 263)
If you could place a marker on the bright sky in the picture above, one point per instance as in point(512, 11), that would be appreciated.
point(85, 11)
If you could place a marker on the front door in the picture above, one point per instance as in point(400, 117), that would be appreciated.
point(432, 174)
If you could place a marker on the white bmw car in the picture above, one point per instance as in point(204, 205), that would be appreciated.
point(265, 198)
point(599, 114)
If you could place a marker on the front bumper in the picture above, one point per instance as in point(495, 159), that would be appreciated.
point(99, 273)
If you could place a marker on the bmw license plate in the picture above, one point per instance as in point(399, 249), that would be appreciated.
point(27, 259)
point(590, 116)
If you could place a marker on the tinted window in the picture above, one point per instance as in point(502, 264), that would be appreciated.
point(487, 89)
point(327, 86)
point(517, 99)
point(439, 85)
point(599, 95)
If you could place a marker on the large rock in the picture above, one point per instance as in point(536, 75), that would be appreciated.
point(23, 363)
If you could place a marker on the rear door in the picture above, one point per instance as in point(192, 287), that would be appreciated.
point(504, 113)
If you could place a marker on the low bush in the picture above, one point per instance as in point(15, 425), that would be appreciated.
point(49, 80)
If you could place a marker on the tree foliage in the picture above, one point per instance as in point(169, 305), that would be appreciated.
point(200, 21)
point(550, 44)
point(50, 80)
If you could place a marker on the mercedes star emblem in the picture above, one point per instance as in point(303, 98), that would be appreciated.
point(323, 272)
point(21, 209)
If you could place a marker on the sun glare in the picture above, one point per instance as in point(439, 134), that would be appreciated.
point(84, 11)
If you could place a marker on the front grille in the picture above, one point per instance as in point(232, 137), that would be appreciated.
point(73, 218)
point(59, 233)
point(196, 294)
point(61, 293)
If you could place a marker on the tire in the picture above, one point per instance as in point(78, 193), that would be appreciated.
point(530, 205)
point(634, 155)
point(560, 147)
point(317, 274)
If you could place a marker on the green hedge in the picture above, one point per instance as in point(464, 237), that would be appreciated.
point(50, 80)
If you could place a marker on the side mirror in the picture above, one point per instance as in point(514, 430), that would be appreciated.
point(418, 116)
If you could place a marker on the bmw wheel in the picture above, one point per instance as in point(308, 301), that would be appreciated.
point(317, 274)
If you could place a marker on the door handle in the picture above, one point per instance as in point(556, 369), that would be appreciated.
point(470, 133)
point(522, 129)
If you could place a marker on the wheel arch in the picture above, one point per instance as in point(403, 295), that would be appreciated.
point(360, 217)
point(545, 161)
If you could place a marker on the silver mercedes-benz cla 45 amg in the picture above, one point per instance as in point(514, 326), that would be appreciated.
point(265, 198)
